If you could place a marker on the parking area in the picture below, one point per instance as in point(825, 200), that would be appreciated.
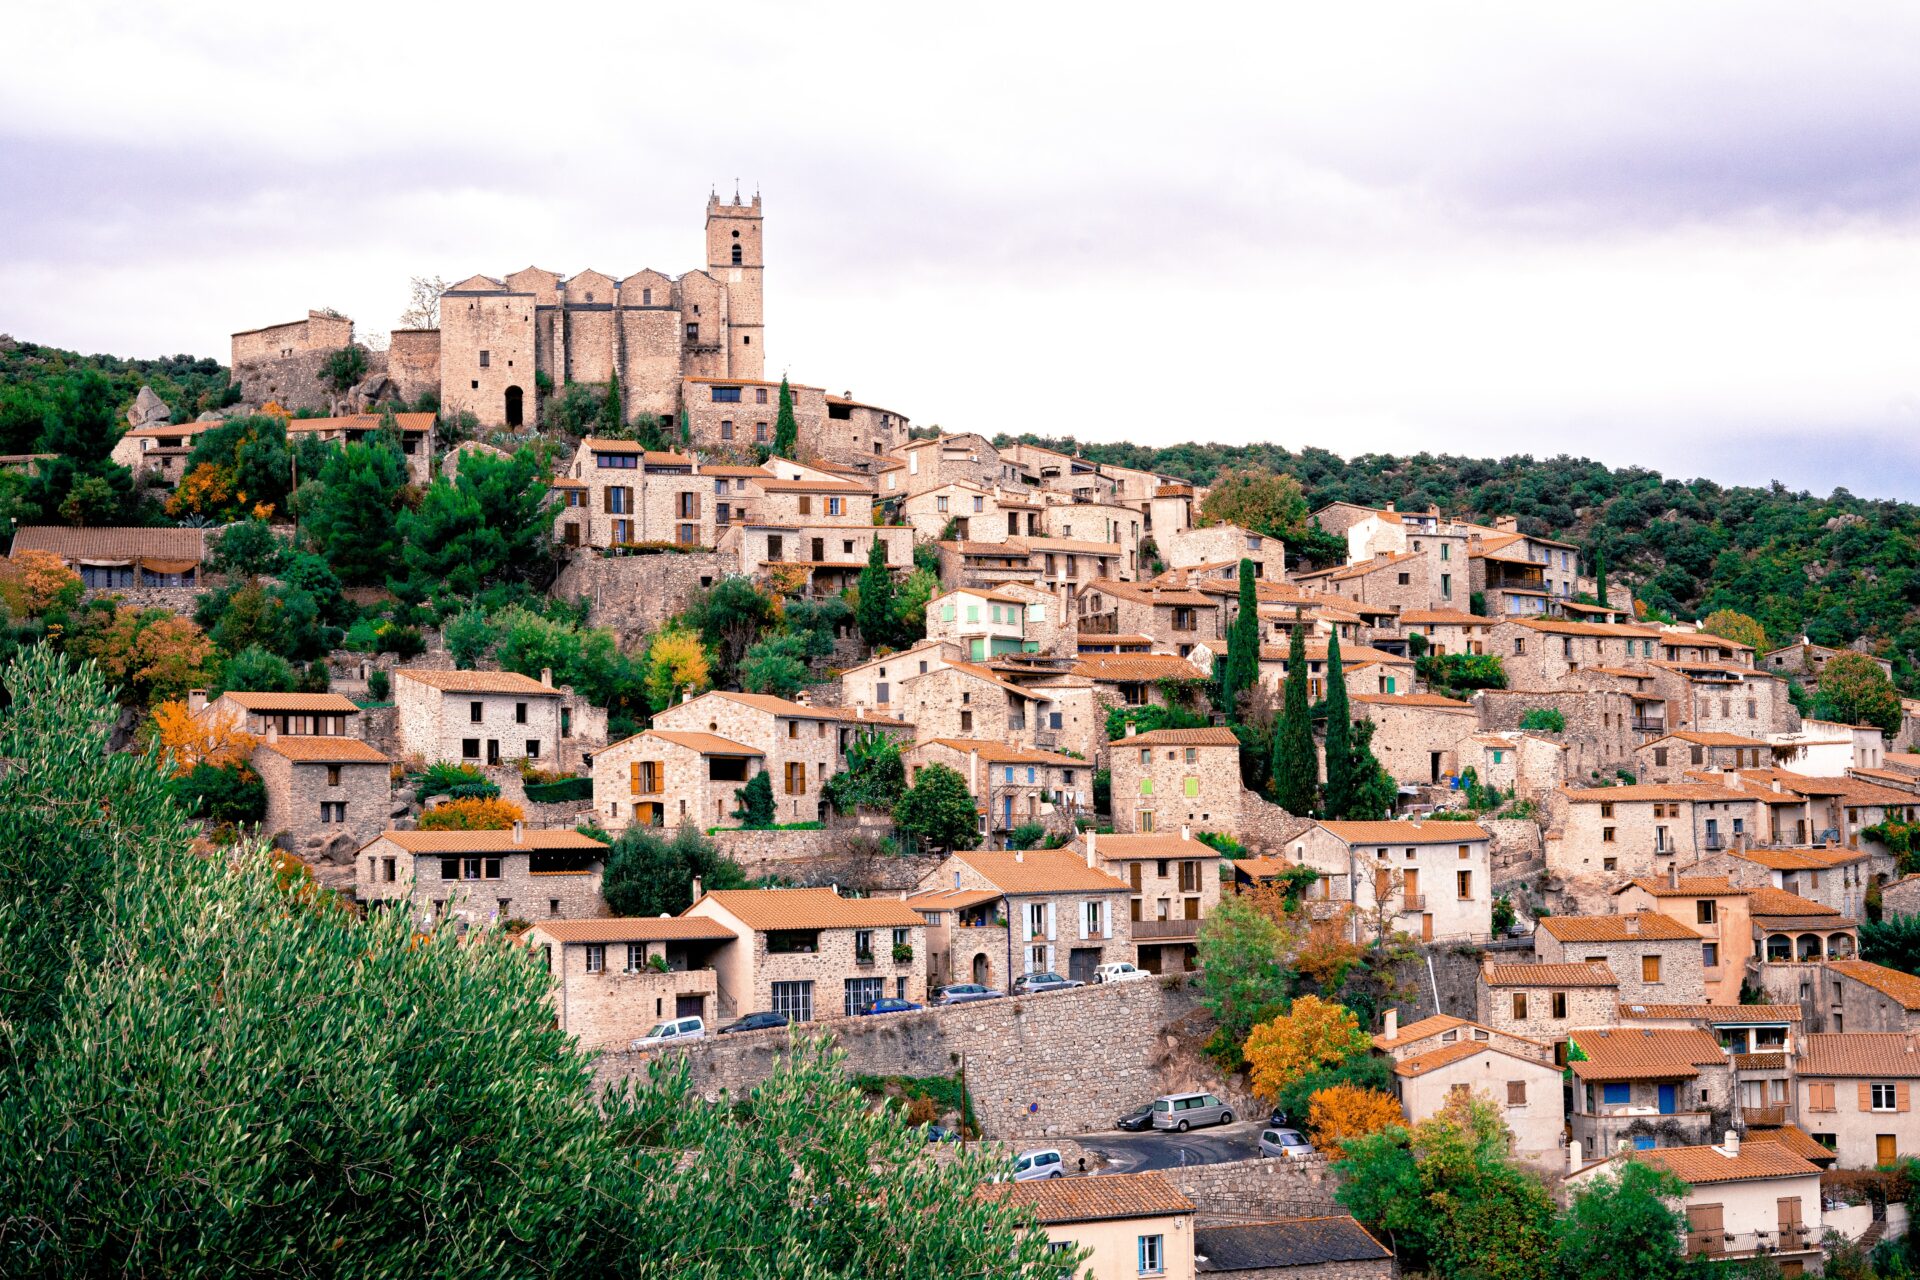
point(1149, 1149)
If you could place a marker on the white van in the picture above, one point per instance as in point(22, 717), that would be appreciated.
point(1184, 1111)
point(674, 1031)
point(1120, 971)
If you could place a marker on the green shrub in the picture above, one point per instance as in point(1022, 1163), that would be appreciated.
point(1544, 720)
point(379, 686)
point(445, 778)
point(1026, 835)
point(563, 790)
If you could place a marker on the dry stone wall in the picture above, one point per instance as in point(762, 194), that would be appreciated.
point(1239, 1191)
point(1043, 1066)
point(634, 594)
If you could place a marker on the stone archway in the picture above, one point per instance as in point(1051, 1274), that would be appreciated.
point(982, 971)
point(516, 414)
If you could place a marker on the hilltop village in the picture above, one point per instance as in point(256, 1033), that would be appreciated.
point(742, 705)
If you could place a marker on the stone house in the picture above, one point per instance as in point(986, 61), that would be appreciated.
point(829, 556)
point(1655, 958)
point(801, 745)
point(484, 877)
point(813, 501)
point(1442, 1029)
point(1538, 652)
point(810, 953)
point(416, 436)
point(1744, 1199)
point(877, 684)
point(287, 714)
point(159, 450)
point(1174, 885)
point(1131, 1224)
point(1862, 996)
point(1509, 583)
point(669, 778)
point(1901, 897)
point(964, 700)
point(1648, 1087)
point(1712, 906)
point(1186, 548)
point(1678, 645)
point(1177, 620)
point(1544, 1003)
point(1417, 736)
point(121, 558)
point(623, 494)
point(1429, 879)
point(962, 458)
point(1388, 580)
point(1804, 811)
point(1176, 778)
point(1669, 758)
point(735, 416)
point(1139, 679)
point(1097, 524)
point(1363, 669)
point(1012, 785)
point(1805, 660)
point(1599, 737)
point(1526, 1091)
point(1836, 878)
point(1855, 1095)
point(1447, 630)
point(323, 790)
point(609, 986)
point(1530, 766)
point(491, 717)
point(1762, 1039)
point(992, 916)
point(1720, 698)
point(981, 621)
point(1632, 831)
point(973, 513)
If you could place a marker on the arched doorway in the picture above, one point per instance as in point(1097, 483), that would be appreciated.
point(514, 413)
point(980, 973)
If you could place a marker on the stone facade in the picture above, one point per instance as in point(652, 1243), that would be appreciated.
point(606, 990)
point(879, 684)
point(1049, 1065)
point(793, 955)
point(282, 363)
point(489, 717)
point(1510, 999)
point(1855, 1091)
point(1185, 548)
point(484, 877)
point(1175, 883)
point(1012, 786)
point(1599, 737)
point(659, 778)
point(1173, 779)
point(634, 594)
point(1431, 880)
point(1051, 914)
point(1639, 830)
point(334, 792)
point(1417, 737)
point(1650, 970)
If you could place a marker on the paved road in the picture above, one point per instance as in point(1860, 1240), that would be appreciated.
point(1138, 1152)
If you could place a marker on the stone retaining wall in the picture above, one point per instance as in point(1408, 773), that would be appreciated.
point(1516, 848)
point(1266, 827)
point(1239, 1191)
point(1043, 1066)
point(635, 594)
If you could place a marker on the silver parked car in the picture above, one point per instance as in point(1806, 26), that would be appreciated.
point(1286, 1143)
point(1034, 1166)
point(672, 1031)
point(1184, 1111)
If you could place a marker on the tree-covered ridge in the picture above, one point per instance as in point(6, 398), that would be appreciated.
point(32, 375)
point(1836, 568)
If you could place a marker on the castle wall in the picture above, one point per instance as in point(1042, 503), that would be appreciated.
point(413, 362)
point(498, 326)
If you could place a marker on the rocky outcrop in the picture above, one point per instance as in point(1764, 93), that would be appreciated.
point(148, 410)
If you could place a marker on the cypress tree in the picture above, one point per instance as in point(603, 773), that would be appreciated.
point(786, 428)
point(1600, 577)
point(1296, 771)
point(1339, 793)
point(875, 612)
point(1242, 667)
point(613, 415)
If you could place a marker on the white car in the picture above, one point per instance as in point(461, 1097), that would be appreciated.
point(1033, 1166)
point(1285, 1142)
point(673, 1031)
point(1120, 971)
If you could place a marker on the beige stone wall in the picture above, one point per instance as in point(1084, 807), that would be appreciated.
point(634, 594)
point(440, 726)
point(1407, 737)
point(977, 515)
point(610, 1009)
point(1098, 522)
point(295, 793)
point(413, 362)
point(501, 325)
point(1637, 826)
point(949, 703)
point(1193, 786)
point(754, 421)
point(519, 893)
point(1496, 1007)
point(1430, 905)
point(1181, 548)
point(1729, 932)
point(687, 795)
point(1600, 738)
point(1535, 1112)
point(1681, 980)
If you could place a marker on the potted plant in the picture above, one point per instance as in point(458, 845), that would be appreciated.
point(902, 952)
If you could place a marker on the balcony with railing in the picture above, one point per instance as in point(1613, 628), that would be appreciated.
point(1713, 842)
point(1647, 724)
point(1165, 930)
point(1770, 1117)
point(1747, 1244)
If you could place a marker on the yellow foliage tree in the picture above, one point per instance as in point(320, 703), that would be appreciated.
point(676, 662)
point(1327, 953)
point(192, 740)
point(32, 582)
point(1338, 1115)
point(1314, 1033)
point(472, 813)
point(206, 488)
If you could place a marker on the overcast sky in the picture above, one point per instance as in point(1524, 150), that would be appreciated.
point(1681, 236)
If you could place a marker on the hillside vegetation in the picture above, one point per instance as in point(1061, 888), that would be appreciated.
point(1835, 568)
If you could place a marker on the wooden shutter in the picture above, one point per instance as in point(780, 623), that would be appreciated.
point(634, 776)
point(1866, 1096)
point(1706, 1228)
point(1516, 1093)
point(1904, 1096)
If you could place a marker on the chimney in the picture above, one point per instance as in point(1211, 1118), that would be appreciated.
point(519, 833)
point(1132, 728)
point(973, 769)
point(1673, 875)
point(686, 695)
point(1632, 924)
point(1414, 818)
point(1390, 1026)
point(196, 701)
point(697, 887)
point(1089, 851)
point(1019, 855)
point(1733, 1143)
point(1185, 833)
point(803, 698)
point(546, 676)
point(1573, 1156)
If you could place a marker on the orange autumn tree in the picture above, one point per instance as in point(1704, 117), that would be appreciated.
point(472, 813)
point(151, 654)
point(204, 490)
point(32, 583)
point(1314, 1033)
point(1344, 1112)
point(192, 740)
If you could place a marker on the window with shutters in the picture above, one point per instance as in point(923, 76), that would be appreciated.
point(1516, 1093)
point(1519, 1006)
point(596, 957)
point(1884, 1097)
point(1649, 968)
point(646, 777)
point(796, 777)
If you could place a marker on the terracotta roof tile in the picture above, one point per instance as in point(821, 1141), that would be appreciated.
point(1778, 902)
point(993, 751)
point(1643, 1053)
point(707, 744)
point(479, 682)
point(1903, 987)
point(634, 929)
point(1421, 1064)
point(1150, 845)
point(539, 840)
point(1641, 926)
point(1134, 666)
point(293, 702)
point(1042, 871)
point(1859, 1053)
point(1698, 792)
point(1794, 1139)
point(1689, 887)
point(1066, 1200)
point(1698, 1165)
point(770, 909)
point(1406, 832)
point(112, 543)
point(1425, 1028)
point(1548, 975)
point(1714, 1014)
point(317, 749)
point(1412, 700)
point(1219, 736)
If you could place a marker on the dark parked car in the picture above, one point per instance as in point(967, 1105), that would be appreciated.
point(756, 1022)
point(1136, 1120)
point(940, 1133)
point(962, 992)
point(1031, 983)
point(887, 1004)
point(1278, 1119)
